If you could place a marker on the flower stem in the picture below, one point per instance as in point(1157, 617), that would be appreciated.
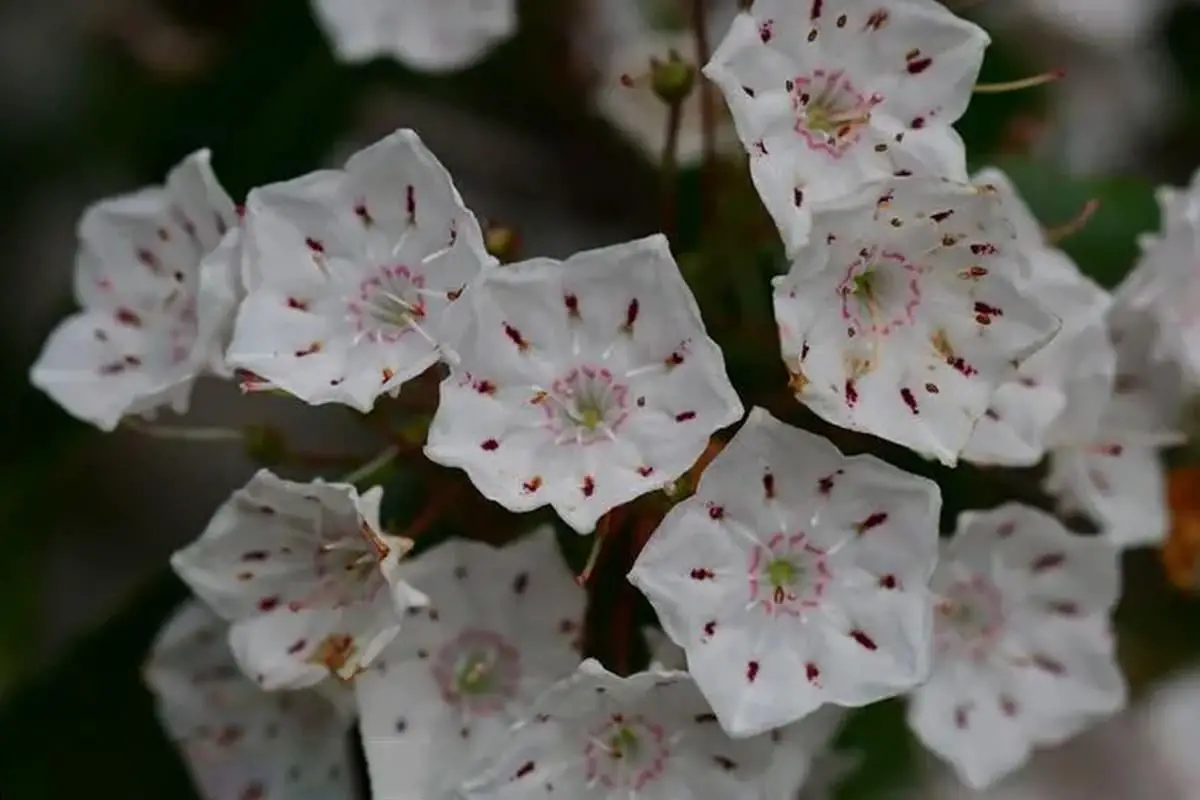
point(669, 170)
point(182, 432)
point(708, 110)
point(1018, 85)
point(373, 466)
point(597, 545)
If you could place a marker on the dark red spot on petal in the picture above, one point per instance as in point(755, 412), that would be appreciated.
point(410, 202)
point(1048, 664)
point(907, 396)
point(1048, 562)
point(315, 347)
point(919, 65)
point(364, 216)
point(268, 603)
point(864, 640)
point(873, 521)
point(851, 392)
point(490, 445)
point(127, 317)
point(675, 359)
point(710, 627)
point(888, 581)
point(798, 197)
point(255, 555)
point(941, 216)
point(725, 763)
point(816, 9)
point(315, 245)
point(485, 387)
point(751, 671)
point(932, 388)
point(588, 487)
point(702, 574)
point(297, 304)
point(1064, 607)
point(705, 717)
point(716, 512)
point(1008, 706)
point(296, 647)
point(631, 315)
point(768, 482)
point(812, 672)
point(524, 770)
point(645, 471)
point(960, 717)
point(521, 583)
point(684, 416)
point(515, 336)
point(572, 304)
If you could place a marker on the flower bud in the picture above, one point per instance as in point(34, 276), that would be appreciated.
point(672, 80)
point(503, 242)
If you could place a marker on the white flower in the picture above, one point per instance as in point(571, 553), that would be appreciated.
point(240, 742)
point(425, 35)
point(801, 759)
point(1166, 284)
point(582, 384)
point(595, 735)
point(827, 96)
point(348, 273)
point(1169, 722)
point(306, 577)
point(907, 310)
point(221, 290)
point(796, 577)
point(1113, 473)
point(500, 630)
point(134, 347)
point(1024, 652)
point(629, 36)
point(1060, 392)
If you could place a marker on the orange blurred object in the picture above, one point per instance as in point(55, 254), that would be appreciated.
point(1181, 552)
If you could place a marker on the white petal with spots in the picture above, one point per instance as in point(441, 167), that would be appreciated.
point(424, 35)
point(800, 751)
point(1024, 652)
point(908, 310)
point(305, 575)
point(238, 741)
point(581, 384)
point(501, 627)
point(349, 271)
point(597, 736)
point(135, 347)
point(1059, 393)
point(829, 95)
point(796, 577)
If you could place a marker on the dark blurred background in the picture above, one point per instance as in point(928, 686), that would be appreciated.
point(101, 96)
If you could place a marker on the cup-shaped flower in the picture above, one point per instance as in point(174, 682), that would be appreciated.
point(907, 310)
point(237, 740)
point(1165, 283)
point(800, 752)
point(596, 735)
point(1060, 392)
point(424, 35)
point(348, 273)
point(581, 384)
point(135, 345)
point(305, 576)
point(1113, 472)
point(827, 96)
point(502, 627)
point(796, 577)
point(1023, 648)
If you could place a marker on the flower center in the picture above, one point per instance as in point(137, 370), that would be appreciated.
point(585, 405)
point(970, 618)
point(388, 304)
point(879, 293)
point(788, 575)
point(830, 112)
point(625, 753)
point(478, 671)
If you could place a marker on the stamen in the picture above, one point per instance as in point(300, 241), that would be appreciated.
point(1074, 226)
point(1018, 85)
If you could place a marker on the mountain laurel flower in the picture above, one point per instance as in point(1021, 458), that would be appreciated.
point(434, 36)
point(135, 346)
point(220, 292)
point(305, 576)
point(348, 273)
point(1165, 284)
point(801, 761)
point(1114, 474)
point(581, 384)
point(908, 310)
point(501, 628)
point(237, 740)
point(827, 96)
point(1059, 393)
point(796, 577)
point(1024, 653)
point(596, 736)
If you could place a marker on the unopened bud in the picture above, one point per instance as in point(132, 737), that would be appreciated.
point(265, 444)
point(672, 80)
point(503, 243)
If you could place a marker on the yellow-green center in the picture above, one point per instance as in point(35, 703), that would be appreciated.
point(590, 415)
point(820, 119)
point(473, 676)
point(622, 743)
point(864, 285)
point(781, 572)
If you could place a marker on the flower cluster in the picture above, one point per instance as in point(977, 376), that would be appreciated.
point(792, 581)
